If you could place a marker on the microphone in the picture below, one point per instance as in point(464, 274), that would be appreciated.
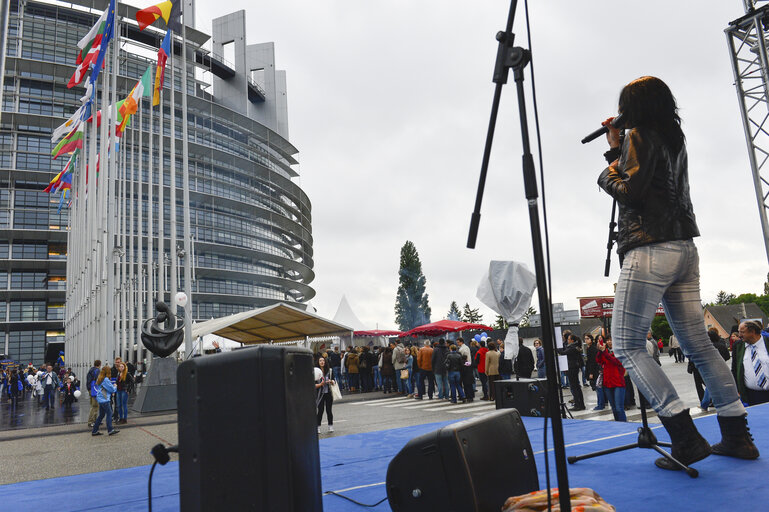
point(616, 122)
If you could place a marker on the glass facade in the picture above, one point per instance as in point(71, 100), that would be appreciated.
point(250, 221)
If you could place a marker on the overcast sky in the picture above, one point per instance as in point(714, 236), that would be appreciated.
point(389, 104)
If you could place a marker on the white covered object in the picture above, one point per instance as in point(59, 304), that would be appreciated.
point(507, 288)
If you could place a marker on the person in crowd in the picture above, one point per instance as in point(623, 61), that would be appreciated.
point(388, 370)
point(468, 378)
point(413, 368)
point(3, 383)
point(365, 364)
point(574, 357)
point(90, 380)
point(541, 370)
point(425, 365)
point(14, 388)
point(440, 351)
point(524, 363)
point(720, 345)
point(104, 391)
point(50, 382)
point(474, 347)
point(648, 177)
point(505, 364)
point(454, 364)
point(124, 385)
point(324, 399)
point(613, 378)
point(565, 371)
point(734, 337)
point(750, 363)
point(345, 374)
point(591, 364)
point(351, 363)
point(480, 360)
point(399, 359)
point(675, 349)
point(376, 369)
point(492, 368)
point(652, 347)
point(68, 390)
point(335, 361)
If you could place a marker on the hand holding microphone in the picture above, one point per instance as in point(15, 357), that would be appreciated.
point(616, 124)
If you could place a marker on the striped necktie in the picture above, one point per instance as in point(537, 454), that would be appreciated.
point(758, 367)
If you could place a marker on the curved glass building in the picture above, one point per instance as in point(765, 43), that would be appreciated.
point(250, 221)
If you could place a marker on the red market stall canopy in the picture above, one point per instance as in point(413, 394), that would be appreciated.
point(376, 333)
point(444, 326)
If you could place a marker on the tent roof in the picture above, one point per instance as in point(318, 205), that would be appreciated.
point(279, 322)
point(345, 315)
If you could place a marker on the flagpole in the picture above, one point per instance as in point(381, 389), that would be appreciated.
point(111, 206)
point(140, 241)
point(188, 255)
point(131, 254)
point(150, 217)
point(161, 206)
point(172, 172)
point(123, 281)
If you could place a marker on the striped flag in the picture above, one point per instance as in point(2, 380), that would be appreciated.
point(109, 32)
point(169, 10)
point(70, 124)
point(91, 44)
point(69, 143)
point(65, 176)
point(163, 51)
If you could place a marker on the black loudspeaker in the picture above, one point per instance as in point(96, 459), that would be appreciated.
point(526, 395)
point(470, 466)
point(247, 432)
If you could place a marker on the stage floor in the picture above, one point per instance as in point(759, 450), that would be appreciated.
point(356, 465)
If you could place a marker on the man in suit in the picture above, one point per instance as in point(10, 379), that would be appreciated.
point(750, 364)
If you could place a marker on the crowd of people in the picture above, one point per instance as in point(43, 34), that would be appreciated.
point(107, 389)
point(43, 384)
point(446, 370)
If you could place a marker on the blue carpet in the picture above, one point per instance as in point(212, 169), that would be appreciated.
point(357, 464)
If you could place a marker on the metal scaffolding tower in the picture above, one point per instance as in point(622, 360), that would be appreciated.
point(746, 37)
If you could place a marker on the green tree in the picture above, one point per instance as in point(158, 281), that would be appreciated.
point(500, 323)
point(766, 285)
point(471, 315)
point(724, 298)
point(412, 307)
point(661, 329)
point(525, 321)
point(761, 301)
point(454, 312)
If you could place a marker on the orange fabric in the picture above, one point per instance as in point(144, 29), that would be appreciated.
point(583, 499)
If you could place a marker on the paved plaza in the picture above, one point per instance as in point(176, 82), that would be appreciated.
point(60, 444)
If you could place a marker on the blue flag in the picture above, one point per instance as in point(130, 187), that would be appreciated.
point(109, 31)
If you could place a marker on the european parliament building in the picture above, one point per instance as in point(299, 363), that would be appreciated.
point(250, 220)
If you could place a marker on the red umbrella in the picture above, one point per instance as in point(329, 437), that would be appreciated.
point(377, 333)
point(443, 326)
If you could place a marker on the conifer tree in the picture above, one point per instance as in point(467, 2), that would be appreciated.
point(412, 307)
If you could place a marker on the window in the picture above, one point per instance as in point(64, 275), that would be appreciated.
point(27, 310)
point(27, 346)
point(28, 280)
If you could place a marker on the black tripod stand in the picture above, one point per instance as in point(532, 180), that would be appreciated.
point(518, 58)
point(646, 439)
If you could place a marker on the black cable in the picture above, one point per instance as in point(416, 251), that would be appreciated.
point(149, 487)
point(356, 502)
point(547, 236)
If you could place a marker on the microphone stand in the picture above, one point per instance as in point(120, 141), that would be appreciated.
point(517, 58)
point(612, 237)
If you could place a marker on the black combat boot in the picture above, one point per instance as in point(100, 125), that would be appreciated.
point(736, 440)
point(688, 445)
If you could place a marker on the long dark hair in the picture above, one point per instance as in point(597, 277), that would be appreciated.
point(647, 102)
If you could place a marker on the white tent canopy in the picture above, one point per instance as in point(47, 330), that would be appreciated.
point(345, 315)
point(276, 323)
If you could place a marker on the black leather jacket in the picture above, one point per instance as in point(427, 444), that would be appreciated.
point(651, 186)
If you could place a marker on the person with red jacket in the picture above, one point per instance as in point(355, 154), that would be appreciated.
point(480, 358)
point(613, 379)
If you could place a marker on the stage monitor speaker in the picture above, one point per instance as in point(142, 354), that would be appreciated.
point(526, 395)
point(470, 466)
point(247, 432)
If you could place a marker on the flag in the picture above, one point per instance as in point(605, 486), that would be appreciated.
point(91, 44)
point(65, 176)
point(163, 51)
point(169, 10)
point(109, 31)
point(70, 124)
point(73, 141)
point(144, 85)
